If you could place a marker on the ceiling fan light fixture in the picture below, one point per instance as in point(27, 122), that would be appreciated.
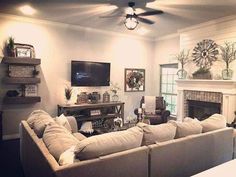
point(131, 22)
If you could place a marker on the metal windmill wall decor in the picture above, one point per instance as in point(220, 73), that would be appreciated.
point(204, 54)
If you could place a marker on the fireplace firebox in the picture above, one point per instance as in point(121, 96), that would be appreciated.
point(202, 109)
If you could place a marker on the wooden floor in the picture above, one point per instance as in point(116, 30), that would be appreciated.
point(10, 165)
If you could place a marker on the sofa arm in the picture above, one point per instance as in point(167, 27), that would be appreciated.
point(234, 144)
point(165, 114)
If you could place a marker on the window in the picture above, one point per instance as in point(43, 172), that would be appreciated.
point(168, 86)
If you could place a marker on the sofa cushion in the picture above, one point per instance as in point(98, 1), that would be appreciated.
point(157, 133)
point(214, 122)
point(108, 143)
point(62, 120)
point(58, 139)
point(38, 121)
point(188, 127)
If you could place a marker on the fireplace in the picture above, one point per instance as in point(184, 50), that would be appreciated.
point(202, 109)
point(217, 91)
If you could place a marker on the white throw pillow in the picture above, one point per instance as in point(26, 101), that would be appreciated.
point(157, 133)
point(188, 127)
point(214, 122)
point(62, 120)
point(67, 157)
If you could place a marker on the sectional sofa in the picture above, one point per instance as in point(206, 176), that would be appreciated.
point(179, 157)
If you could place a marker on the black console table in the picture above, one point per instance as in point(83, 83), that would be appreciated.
point(93, 112)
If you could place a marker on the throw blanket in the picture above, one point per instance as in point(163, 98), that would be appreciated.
point(150, 104)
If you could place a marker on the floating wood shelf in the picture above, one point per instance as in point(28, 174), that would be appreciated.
point(21, 100)
point(21, 61)
point(21, 80)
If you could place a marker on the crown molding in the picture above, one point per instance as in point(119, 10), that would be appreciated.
point(169, 36)
point(209, 23)
point(71, 26)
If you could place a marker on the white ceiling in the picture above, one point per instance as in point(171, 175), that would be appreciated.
point(178, 14)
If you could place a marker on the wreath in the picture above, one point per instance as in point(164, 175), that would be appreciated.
point(135, 79)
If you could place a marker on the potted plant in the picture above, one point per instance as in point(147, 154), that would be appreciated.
point(10, 47)
point(182, 57)
point(228, 54)
point(68, 93)
point(202, 73)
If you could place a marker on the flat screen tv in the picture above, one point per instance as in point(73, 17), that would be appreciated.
point(86, 73)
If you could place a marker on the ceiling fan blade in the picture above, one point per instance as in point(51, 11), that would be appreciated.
point(154, 12)
point(144, 20)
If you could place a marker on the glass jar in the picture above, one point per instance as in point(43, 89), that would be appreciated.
point(115, 97)
point(182, 74)
point(227, 74)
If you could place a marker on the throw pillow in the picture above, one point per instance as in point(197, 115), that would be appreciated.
point(58, 139)
point(108, 143)
point(35, 115)
point(38, 121)
point(67, 157)
point(157, 133)
point(188, 127)
point(62, 120)
point(214, 122)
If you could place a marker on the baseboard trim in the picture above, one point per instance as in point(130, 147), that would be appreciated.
point(11, 136)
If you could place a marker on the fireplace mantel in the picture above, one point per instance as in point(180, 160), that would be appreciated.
point(222, 86)
point(226, 87)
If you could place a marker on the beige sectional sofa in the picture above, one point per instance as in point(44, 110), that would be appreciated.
point(180, 157)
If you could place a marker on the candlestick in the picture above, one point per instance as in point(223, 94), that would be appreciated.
point(143, 105)
point(140, 110)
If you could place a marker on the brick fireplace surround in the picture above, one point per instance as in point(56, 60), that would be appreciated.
point(215, 91)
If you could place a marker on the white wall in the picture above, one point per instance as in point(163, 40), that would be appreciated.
point(165, 50)
point(58, 44)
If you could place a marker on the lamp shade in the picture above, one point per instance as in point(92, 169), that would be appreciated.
point(131, 22)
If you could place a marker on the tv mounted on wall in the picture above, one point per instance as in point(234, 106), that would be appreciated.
point(86, 73)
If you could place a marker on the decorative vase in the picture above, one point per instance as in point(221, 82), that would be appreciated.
point(106, 97)
point(227, 74)
point(115, 98)
point(67, 102)
point(182, 74)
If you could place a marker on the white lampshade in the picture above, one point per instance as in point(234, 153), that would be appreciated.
point(131, 22)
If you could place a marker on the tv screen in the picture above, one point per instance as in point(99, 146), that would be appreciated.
point(85, 73)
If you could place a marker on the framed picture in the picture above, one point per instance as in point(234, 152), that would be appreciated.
point(134, 80)
point(24, 50)
point(31, 90)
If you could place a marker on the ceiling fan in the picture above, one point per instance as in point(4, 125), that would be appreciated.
point(132, 19)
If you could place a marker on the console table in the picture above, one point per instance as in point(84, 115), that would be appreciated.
point(93, 112)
